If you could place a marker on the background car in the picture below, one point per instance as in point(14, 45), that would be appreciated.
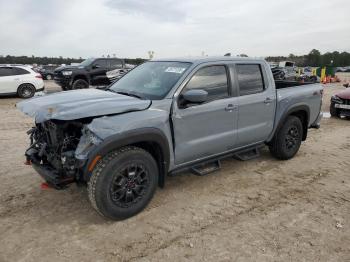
point(47, 71)
point(20, 80)
point(340, 104)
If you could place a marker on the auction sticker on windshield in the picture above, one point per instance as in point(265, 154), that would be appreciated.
point(177, 70)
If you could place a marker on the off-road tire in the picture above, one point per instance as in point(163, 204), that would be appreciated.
point(333, 111)
point(80, 84)
point(26, 91)
point(279, 146)
point(103, 179)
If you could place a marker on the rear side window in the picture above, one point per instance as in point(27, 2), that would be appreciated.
point(212, 79)
point(102, 63)
point(5, 71)
point(250, 79)
point(19, 71)
point(115, 63)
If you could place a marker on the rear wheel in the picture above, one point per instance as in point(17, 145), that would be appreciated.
point(26, 90)
point(80, 84)
point(123, 183)
point(287, 140)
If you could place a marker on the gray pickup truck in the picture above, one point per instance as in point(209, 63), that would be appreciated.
point(163, 117)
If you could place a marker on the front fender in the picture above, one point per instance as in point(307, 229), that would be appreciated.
point(132, 137)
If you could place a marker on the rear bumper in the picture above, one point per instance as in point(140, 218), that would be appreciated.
point(317, 122)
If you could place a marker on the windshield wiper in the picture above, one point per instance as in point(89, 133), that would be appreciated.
point(128, 94)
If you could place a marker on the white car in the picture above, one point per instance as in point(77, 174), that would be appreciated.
point(20, 80)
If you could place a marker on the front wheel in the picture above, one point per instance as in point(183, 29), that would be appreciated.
point(123, 183)
point(287, 140)
point(80, 84)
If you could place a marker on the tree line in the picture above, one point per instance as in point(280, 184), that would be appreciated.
point(316, 59)
point(8, 59)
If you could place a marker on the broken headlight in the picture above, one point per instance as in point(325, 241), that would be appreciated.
point(87, 142)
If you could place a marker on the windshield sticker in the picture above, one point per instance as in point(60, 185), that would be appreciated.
point(177, 70)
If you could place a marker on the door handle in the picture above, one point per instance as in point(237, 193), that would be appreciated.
point(268, 100)
point(231, 107)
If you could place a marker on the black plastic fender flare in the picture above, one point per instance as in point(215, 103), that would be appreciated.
point(289, 112)
point(116, 141)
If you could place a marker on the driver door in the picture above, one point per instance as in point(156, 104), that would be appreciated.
point(209, 128)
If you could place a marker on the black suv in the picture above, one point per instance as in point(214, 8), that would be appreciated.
point(91, 71)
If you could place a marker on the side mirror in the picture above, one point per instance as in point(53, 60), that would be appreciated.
point(96, 66)
point(195, 96)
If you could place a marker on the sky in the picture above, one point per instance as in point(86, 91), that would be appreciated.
point(131, 28)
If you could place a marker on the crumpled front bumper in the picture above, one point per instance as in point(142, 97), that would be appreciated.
point(48, 173)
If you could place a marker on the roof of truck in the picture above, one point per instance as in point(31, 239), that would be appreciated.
point(204, 59)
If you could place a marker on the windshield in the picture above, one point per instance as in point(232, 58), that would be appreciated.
point(87, 62)
point(151, 80)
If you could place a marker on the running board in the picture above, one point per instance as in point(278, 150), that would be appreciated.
point(247, 154)
point(206, 168)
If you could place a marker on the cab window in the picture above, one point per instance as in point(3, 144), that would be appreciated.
point(212, 79)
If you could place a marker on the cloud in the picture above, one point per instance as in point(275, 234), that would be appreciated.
point(161, 11)
point(129, 28)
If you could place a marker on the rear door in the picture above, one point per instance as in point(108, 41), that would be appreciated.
point(98, 72)
point(8, 81)
point(257, 103)
point(203, 130)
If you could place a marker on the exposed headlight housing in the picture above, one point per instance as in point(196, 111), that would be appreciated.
point(87, 142)
point(66, 73)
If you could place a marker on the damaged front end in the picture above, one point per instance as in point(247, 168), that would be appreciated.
point(58, 150)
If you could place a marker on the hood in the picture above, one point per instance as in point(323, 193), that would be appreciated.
point(345, 94)
point(69, 67)
point(77, 104)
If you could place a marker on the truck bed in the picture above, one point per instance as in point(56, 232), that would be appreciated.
point(285, 84)
point(290, 93)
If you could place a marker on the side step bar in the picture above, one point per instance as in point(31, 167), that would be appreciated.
point(206, 168)
point(247, 154)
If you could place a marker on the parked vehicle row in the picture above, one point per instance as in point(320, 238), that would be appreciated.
point(19, 80)
point(163, 117)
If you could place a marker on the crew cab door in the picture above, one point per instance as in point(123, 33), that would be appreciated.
point(209, 128)
point(257, 103)
point(8, 81)
point(98, 72)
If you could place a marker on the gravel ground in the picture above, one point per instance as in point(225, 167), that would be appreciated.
point(258, 210)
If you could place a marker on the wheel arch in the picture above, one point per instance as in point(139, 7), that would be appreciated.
point(82, 77)
point(152, 140)
point(300, 111)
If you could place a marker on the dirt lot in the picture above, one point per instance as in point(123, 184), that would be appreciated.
point(259, 210)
